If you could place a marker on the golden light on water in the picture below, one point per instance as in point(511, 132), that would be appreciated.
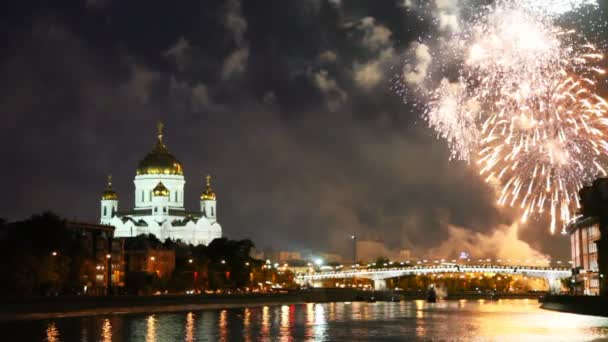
point(106, 331)
point(190, 327)
point(52, 334)
point(151, 329)
point(223, 325)
point(446, 320)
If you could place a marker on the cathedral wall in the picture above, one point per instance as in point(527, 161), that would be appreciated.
point(145, 183)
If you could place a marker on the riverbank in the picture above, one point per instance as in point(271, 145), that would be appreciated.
point(33, 308)
point(583, 305)
point(72, 306)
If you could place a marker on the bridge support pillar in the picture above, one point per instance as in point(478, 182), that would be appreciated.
point(379, 284)
point(555, 285)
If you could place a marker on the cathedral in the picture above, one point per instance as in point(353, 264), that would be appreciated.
point(159, 202)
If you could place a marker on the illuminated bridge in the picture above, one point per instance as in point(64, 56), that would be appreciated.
point(553, 275)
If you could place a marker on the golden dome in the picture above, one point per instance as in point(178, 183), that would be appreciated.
point(109, 193)
point(160, 190)
point(160, 161)
point(208, 194)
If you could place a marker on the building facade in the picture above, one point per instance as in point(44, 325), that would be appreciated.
point(589, 240)
point(107, 267)
point(583, 237)
point(159, 202)
point(158, 261)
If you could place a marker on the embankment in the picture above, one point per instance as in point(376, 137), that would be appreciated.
point(71, 306)
point(67, 306)
point(584, 305)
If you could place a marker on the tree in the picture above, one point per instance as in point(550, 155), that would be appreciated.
point(41, 256)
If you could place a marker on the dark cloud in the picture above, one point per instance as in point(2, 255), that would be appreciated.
point(287, 104)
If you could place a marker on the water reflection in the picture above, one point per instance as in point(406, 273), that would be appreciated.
point(106, 331)
point(223, 325)
point(285, 334)
point(52, 334)
point(151, 329)
point(265, 321)
point(320, 322)
point(246, 324)
point(508, 320)
point(190, 327)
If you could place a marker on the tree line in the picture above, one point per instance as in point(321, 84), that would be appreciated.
point(42, 256)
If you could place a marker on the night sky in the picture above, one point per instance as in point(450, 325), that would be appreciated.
point(286, 103)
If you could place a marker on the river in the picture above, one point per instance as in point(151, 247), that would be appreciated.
point(464, 320)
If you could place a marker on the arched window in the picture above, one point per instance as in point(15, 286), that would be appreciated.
point(104, 211)
point(142, 196)
point(212, 212)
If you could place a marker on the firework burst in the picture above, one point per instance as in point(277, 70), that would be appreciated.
point(524, 108)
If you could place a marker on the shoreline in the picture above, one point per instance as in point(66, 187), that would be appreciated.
point(37, 308)
point(137, 310)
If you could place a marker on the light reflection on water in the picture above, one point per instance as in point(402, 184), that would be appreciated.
point(504, 320)
point(151, 329)
point(106, 331)
point(52, 334)
point(190, 327)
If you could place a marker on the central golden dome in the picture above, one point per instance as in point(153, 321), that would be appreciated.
point(160, 161)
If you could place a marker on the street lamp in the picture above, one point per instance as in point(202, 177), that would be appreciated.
point(319, 261)
point(108, 256)
point(223, 261)
point(190, 261)
point(54, 253)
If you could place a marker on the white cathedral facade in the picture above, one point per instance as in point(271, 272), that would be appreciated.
point(159, 202)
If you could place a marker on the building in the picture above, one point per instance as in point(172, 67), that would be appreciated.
point(589, 240)
point(583, 237)
point(159, 202)
point(107, 267)
point(281, 256)
point(143, 256)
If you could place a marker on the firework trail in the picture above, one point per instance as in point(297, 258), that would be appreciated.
point(524, 108)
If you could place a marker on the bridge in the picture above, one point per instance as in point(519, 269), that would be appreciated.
point(553, 275)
